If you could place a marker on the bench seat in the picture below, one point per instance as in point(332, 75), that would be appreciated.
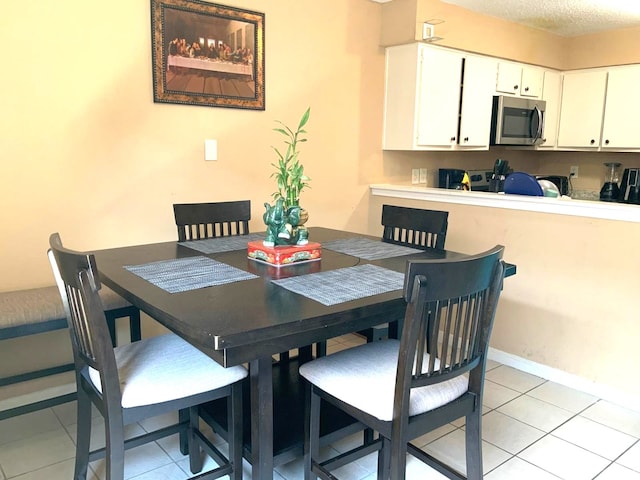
point(37, 310)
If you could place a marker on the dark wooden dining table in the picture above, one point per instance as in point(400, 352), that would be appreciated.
point(250, 321)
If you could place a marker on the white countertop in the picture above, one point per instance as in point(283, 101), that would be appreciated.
point(559, 206)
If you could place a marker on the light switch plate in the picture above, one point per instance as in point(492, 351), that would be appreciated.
point(423, 175)
point(415, 176)
point(211, 150)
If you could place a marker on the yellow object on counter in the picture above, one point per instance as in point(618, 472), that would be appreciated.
point(466, 182)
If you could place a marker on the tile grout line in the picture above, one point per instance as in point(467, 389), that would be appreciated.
point(550, 433)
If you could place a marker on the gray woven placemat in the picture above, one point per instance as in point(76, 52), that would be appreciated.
point(183, 274)
point(222, 244)
point(368, 249)
point(344, 284)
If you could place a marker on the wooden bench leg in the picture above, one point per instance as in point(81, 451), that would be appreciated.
point(39, 405)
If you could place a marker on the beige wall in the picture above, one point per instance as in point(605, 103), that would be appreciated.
point(471, 31)
point(612, 47)
point(87, 153)
point(467, 30)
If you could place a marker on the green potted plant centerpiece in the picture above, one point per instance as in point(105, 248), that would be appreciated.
point(285, 218)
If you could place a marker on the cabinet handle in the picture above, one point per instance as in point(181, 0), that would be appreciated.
point(453, 139)
point(544, 140)
point(515, 87)
point(466, 139)
point(606, 142)
point(592, 141)
point(526, 89)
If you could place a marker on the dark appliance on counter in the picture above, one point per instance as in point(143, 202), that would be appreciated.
point(610, 192)
point(498, 176)
point(480, 180)
point(559, 181)
point(517, 121)
point(630, 186)
point(451, 178)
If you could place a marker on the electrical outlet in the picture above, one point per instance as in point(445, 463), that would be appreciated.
point(423, 175)
point(415, 175)
point(573, 171)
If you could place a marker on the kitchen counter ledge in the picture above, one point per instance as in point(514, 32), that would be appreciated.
point(559, 206)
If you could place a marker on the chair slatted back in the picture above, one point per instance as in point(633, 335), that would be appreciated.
point(197, 221)
point(78, 281)
point(414, 227)
point(451, 307)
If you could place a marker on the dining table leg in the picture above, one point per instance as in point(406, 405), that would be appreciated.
point(261, 382)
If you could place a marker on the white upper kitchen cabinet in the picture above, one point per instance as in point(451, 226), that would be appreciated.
point(581, 109)
point(551, 93)
point(477, 101)
point(422, 110)
point(422, 94)
point(438, 98)
point(519, 79)
point(621, 127)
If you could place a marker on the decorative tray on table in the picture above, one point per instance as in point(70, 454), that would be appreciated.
point(282, 255)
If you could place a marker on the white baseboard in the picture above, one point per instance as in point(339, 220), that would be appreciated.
point(605, 392)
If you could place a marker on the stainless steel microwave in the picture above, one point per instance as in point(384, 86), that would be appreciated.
point(517, 121)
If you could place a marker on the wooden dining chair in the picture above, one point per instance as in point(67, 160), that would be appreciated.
point(132, 382)
point(432, 376)
point(414, 227)
point(409, 227)
point(196, 221)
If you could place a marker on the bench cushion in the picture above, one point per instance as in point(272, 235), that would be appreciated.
point(41, 305)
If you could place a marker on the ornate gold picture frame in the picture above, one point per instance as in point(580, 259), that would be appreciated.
point(207, 54)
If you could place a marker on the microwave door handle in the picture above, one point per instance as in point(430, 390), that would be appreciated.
point(538, 134)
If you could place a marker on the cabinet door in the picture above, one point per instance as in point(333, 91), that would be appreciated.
point(531, 84)
point(581, 109)
point(621, 127)
point(551, 89)
point(477, 101)
point(438, 97)
point(509, 77)
point(401, 77)
point(518, 79)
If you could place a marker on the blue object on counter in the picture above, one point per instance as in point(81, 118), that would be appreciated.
point(520, 183)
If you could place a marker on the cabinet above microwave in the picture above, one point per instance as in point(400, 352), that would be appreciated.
point(519, 80)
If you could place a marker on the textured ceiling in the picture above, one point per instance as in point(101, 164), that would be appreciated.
point(563, 17)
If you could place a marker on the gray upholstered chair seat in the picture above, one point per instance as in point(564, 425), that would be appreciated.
point(365, 376)
point(165, 368)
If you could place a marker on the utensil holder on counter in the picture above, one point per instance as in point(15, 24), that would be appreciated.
point(496, 183)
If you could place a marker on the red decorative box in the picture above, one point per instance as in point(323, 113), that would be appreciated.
point(282, 255)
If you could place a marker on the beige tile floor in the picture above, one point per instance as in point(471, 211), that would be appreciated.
point(532, 430)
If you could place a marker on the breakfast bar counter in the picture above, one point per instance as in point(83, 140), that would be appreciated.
point(569, 314)
point(560, 206)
